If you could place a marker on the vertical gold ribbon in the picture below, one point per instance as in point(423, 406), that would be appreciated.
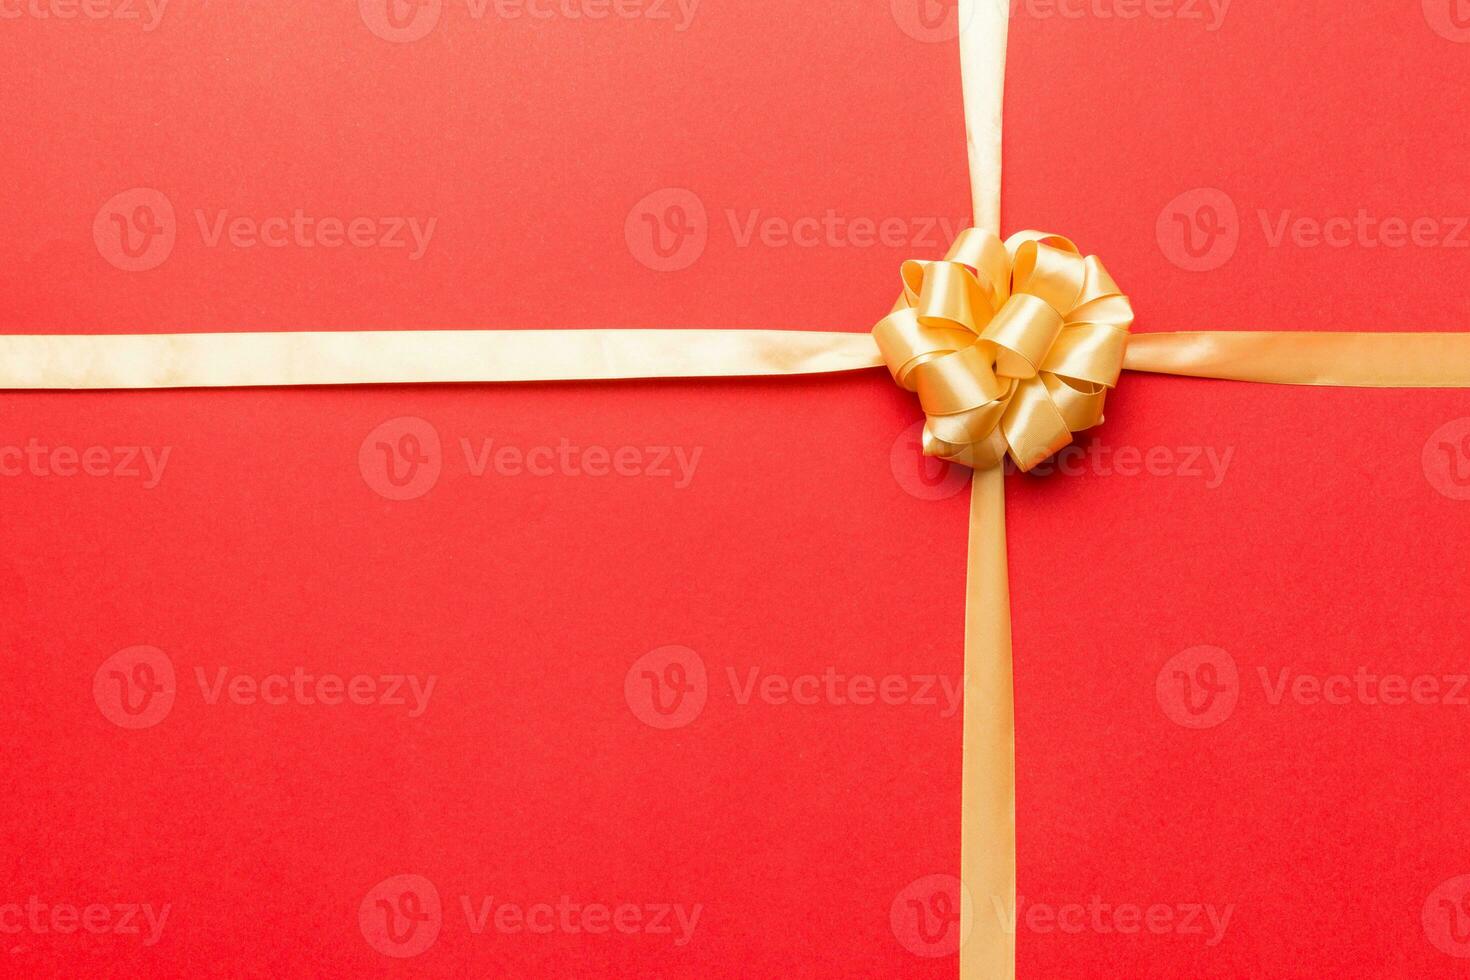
point(988, 767)
point(988, 759)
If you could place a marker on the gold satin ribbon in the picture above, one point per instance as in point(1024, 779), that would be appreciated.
point(236, 360)
point(241, 360)
point(1010, 347)
point(1344, 360)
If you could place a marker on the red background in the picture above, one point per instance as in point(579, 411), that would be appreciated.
point(795, 547)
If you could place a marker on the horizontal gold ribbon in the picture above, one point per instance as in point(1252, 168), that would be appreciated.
point(1348, 360)
point(213, 360)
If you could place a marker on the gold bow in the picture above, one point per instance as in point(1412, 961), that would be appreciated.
point(1010, 347)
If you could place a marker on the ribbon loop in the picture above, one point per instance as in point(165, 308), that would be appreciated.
point(1023, 332)
point(1011, 347)
point(957, 382)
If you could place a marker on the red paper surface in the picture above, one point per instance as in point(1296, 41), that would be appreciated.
point(1220, 556)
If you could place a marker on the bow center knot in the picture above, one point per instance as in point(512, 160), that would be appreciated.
point(1011, 347)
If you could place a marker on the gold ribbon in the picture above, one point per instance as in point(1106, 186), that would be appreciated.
point(351, 357)
point(1343, 360)
point(237, 360)
point(1010, 347)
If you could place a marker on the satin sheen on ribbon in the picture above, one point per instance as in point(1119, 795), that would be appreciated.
point(244, 360)
point(1344, 360)
point(213, 360)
